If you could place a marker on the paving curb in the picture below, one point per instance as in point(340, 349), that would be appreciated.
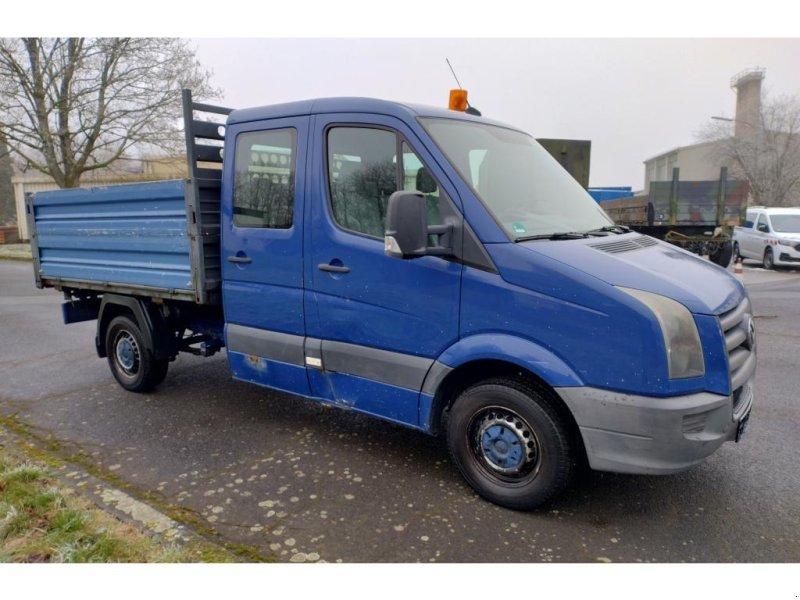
point(117, 503)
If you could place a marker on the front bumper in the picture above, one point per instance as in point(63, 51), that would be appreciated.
point(624, 433)
point(786, 255)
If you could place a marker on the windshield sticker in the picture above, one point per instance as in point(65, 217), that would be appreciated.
point(518, 228)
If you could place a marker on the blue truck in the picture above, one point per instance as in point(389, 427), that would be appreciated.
point(427, 266)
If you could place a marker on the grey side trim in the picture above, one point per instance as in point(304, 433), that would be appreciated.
point(313, 353)
point(436, 375)
point(272, 345)
point(393, 368)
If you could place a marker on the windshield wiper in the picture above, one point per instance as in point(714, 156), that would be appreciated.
point(620, 229)
point(565, 235)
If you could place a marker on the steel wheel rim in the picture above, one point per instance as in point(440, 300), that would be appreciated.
point(504, 444)
point(126, 354)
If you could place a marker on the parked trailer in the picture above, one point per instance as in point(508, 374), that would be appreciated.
point(696, 215)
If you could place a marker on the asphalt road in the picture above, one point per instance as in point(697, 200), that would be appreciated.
point(300, 482)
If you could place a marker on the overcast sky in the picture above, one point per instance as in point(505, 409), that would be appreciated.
point(633, 98)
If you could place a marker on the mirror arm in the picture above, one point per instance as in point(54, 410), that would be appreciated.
point(445, 235)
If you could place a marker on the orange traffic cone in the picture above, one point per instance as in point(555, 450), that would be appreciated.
point(738, 270)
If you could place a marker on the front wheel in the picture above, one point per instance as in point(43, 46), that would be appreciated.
point(131, 361)
point(769, 259)
point(510, 443)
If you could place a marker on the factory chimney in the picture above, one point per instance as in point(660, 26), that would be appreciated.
point(748, 100)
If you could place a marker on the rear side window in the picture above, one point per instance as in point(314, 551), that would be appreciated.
point(263, 194)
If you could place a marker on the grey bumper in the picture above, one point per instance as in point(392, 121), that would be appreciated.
point(641, 434)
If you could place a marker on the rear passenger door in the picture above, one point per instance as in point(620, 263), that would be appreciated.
point(379, 321)
point(262, 252)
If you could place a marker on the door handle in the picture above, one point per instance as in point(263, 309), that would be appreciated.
point(333, 268)
point(240, 259)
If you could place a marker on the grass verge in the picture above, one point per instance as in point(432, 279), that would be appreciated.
point(40, 521)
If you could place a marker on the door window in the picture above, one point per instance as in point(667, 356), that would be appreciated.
point(263, 194)
point(363, 171)
point(762, 223)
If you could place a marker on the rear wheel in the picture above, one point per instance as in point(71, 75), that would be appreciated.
point(721, 253)
point(736, 254)
point(769, 259)
point(131, 361)
point(510, 443)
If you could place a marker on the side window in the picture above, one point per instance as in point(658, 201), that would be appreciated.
point(263, 193)
point(762, 223)
point(362, 171)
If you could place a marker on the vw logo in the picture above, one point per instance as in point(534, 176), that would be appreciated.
point(750, 329)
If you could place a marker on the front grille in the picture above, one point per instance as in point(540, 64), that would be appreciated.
point(626, 245)
point(737, 326)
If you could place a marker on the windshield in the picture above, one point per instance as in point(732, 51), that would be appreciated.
point(785, 223)
point(525, 188)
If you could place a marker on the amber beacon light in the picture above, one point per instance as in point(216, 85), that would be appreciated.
point(458, 100)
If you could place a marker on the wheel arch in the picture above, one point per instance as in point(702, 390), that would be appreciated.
point(147, 317)
point(487, 356)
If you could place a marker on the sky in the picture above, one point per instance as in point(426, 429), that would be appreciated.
point(633, 98)
point(637, 79)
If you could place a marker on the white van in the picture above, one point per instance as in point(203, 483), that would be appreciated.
point(771, 235)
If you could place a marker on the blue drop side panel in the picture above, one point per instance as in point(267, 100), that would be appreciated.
point(133, 234)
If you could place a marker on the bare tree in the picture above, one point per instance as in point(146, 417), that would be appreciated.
point(766, 153)
point(72, 105)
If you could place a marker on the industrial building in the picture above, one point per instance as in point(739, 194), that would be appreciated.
point(701, 162)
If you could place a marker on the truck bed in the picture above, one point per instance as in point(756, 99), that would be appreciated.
point(158, 239)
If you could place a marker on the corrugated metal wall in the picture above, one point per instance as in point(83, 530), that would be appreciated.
point(135, 235)
point(151, 170)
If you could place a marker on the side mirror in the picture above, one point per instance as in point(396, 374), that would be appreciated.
point(407, 229)
point(406, 225)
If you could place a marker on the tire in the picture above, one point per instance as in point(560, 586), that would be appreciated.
point(722, 254)
point(129, 358)
point(736, 254)
point(510, 443)
point(769, 259)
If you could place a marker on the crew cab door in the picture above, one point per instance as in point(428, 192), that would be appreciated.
point(262, 252)
point(379, 321)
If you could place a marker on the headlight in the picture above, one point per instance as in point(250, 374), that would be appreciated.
point(787, 242)
point(684, 351)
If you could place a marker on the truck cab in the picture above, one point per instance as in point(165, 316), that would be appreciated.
point(442, 271)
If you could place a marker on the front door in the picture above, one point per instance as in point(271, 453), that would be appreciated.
point(380, 321)
point(262, 253)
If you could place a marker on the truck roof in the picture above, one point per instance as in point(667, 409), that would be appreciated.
point(401, 110)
